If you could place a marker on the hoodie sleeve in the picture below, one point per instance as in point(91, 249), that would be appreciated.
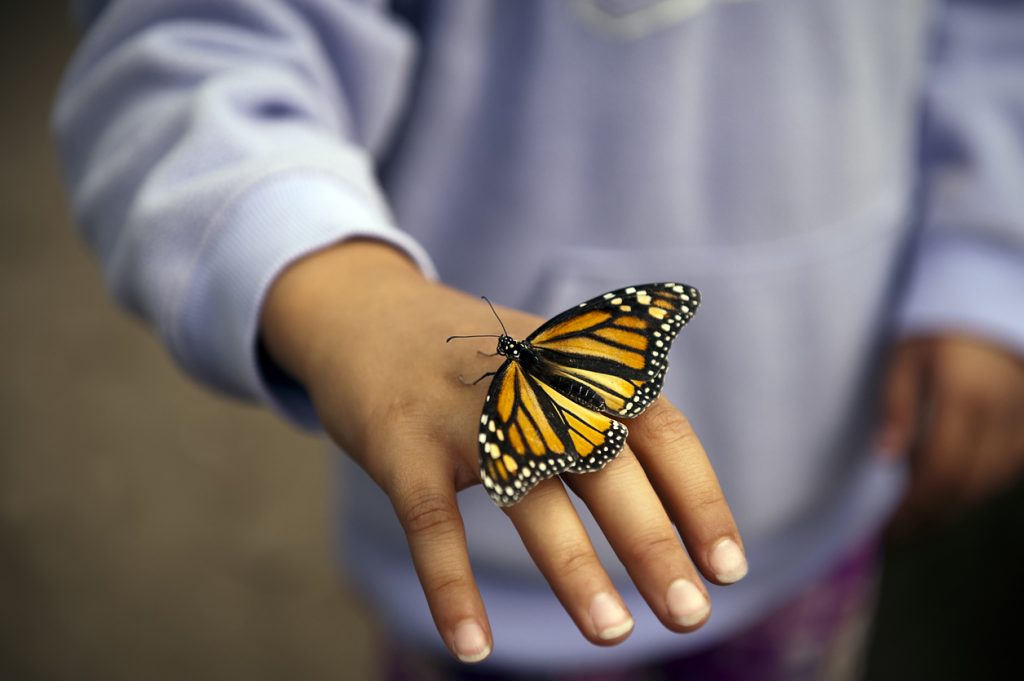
point(206, 144)
point(968, 272)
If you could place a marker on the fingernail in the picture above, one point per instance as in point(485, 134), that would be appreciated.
point(609, 617)
point(686, 604)
point(470, 642)
point(728, 562)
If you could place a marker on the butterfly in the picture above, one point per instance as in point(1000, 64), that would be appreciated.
point(550, 406)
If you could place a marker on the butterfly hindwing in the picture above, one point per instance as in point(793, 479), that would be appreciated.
point(616, 344)
point(596, 438)
point(530, 432)
point(519, 443)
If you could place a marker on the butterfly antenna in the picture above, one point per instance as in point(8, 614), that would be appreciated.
point(496, 315)
point(485, 335)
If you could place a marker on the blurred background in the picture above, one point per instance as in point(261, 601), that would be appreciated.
point(151, 530)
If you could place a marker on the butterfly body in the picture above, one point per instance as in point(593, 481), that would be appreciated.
point(534, 364)
point(551, 404)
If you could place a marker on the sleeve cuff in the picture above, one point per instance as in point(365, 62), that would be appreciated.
point(275, 222)
point(966, 285)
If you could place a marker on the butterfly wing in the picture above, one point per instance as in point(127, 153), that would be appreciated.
point(530, 432)
point(615, 345)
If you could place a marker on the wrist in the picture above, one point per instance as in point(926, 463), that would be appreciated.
point(319, 298)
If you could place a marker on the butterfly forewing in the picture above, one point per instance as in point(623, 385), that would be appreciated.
point(617, 344)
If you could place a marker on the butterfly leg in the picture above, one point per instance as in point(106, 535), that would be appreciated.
point(463, 381)
point(486, 354)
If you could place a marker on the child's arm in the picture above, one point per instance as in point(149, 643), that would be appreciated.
point(955, 392)
point(206, 144)
point(955, 403)
point(211, 146)
point(364, 331)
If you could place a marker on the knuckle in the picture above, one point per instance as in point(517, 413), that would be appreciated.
point(403, 407)
point(653, 548)
point(448, 585)
point(705, 498)
point(667, 427)
point(545, 492)
point(407, 416)
point(575, 559)
point(624, 464)
point(429, 513)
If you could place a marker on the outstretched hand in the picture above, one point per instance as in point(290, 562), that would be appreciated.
point(364, 332)
point(955, 405)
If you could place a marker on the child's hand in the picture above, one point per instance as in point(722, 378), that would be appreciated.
point(956, 405)
point(361, 328)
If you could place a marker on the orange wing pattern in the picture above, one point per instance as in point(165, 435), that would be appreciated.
point(530, 432)
point(617, 344)
point(549, 407)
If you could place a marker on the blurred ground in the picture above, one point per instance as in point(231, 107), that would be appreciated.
point(149, 530)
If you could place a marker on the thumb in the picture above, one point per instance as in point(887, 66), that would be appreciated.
point(901, 398)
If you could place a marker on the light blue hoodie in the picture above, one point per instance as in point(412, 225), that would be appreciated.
point(822, 170)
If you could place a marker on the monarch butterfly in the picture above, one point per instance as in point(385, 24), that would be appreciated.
point(550, 405)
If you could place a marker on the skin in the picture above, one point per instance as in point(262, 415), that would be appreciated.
point(361, 328)
point(953, 404)
point(363, 331)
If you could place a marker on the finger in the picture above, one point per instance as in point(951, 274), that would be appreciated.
point(1011, 453)
point(633, 519)
point(940, 464)
point(986, 464)
point(995, 463)
point(1015, 463)
point(555, 537)
point(901, 401)
point(677, 466)
point(433, 526)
